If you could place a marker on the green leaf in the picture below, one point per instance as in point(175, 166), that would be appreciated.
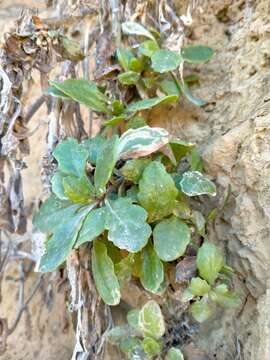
point(106, 161)
point(199, 287)
point(117, 107)
point(133, 169)
point(71, 157)
point(181, 148)
point(169, 87)
point(152, 273)
point(157, 191)
point(57, 93)
point(151, 346)
point(60, 244)
point(104, 276)
point(57, 185)
point(124, 57)
point(165, 60)
point(130, 343)
point(151, 320)
point(171, 237)
point(186, 91)
point(137, 65)
point(187, 295)
point(141, 142)
point(78, 189)
point(129, 78)
point(85, 92)
point(132, 194)
point(118, 333)
point(115, 120)
point(196, 163)
point(94, 147)
point(92, 227)
point(133, 28)
point(133, 319)
point(197, 54)
point(124, 269)
point(199, 221)
point(127, 225)
point(148, 47)
point(136, 122)
point(52, 213)
point(69, 49)
point(209, 262)
point(225, 298)
point(149, 103)
point(174, 354)
point(193, 183)
point(149, 82)
point(201, 310)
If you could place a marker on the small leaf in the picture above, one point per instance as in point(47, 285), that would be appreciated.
point(174, 354)
point(70, 49)
point(60, 244)
point(136, 122)
point(148, 47)
point(169, 87)
point(117, 107)
point(196, 163)
point(118, 333)
point(132, 194)
point(149, 103)
point(171, 237)
point(115, 120)
point(143, 141)
point(124, 57)
point(127, 225)
point(71, 157)
point(133, 319)
point(128, 344)
point(197, 54)
point(133, 169)
point(57, 185)
point(224, 297)
point(92, 227)
point(151, 320)
point(199, 287)
point(106, 161)
point(165, 60)
point(137, 65)
point(157, 192)
point(201, 310)
point(52, 213)
point(186, 91)
point(129, 78)
point(133, 28)
point(104, 276)
point(78, 189)
point(181, 148)
point(124, 269)
point(151, 347)
point(193, 183)
point(152, 273)
point(85, 92)
point(209, 262)
point(187, 295)
point(199, 221)
point(94, 147)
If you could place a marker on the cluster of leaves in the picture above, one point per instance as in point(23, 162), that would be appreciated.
point(127, 198)
point(141, 338)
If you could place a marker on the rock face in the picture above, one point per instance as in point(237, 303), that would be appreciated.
point(233, 134)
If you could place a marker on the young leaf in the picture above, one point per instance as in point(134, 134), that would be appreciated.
point(152, 273)
point(181, 148)
point(209, 262)
point(151, 347)
point(129, 344)
point(186, 91)
point(85, 92)
point(129, 78)
point(60, 244)
point(118, 333)
point(94, 146)
point(199, 287)
point(174, 354)
point(148, 47)
point(197, 54)
point(115, 120)
point(137, 65)
point(104, 276)
point(92, 227)
point(169, 87)
point(143, 141)
point(71, 157)
point(124, 57)
point(127, 225)
point(78, 189)
point(133, 319)
point(223, 297)
point(151, 320)
point(133, 169)
point(157, 192)
point(201, 310)
point(199, 221)
point(52, 213)
point(124, 269)
point(165, 60)
point(193, 183)
point(57, 185)
point(133, 28)
point(171, 237)
point(149, 103)
point(105, 164)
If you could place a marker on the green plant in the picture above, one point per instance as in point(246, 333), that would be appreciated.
point(126, 196)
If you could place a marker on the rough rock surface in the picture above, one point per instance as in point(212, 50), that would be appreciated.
point(233, 136)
